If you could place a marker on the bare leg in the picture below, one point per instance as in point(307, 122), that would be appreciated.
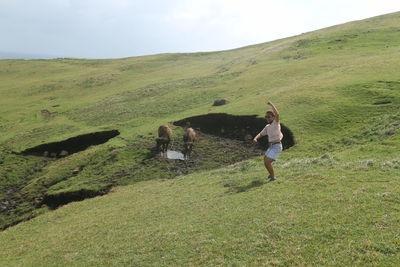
point(268, 165)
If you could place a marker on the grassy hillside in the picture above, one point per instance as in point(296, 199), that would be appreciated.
point(336, 202)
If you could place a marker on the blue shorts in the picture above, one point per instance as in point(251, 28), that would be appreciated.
point(274, 150)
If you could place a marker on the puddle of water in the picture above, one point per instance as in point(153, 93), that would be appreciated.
point(175, 155)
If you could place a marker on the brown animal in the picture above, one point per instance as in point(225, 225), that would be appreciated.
point(188, 138)
point(164, 138)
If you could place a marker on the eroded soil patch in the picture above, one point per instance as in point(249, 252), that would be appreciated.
point(53, 201)
point(235, 127)
point(71, 145)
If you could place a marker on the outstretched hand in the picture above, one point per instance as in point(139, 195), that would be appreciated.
point(269, 103)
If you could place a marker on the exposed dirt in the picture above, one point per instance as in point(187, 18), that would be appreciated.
point(54, 201)
point(383, 102)
point(71, 145)
point(8, 203)
point(235, 127)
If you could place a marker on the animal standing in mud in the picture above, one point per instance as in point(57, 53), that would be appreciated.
point(164, 138)
point(188, 139)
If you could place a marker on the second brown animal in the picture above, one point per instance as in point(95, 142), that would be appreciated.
point(188, 139)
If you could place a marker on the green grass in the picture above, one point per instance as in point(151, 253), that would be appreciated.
point(319, 214)
point(336, 202)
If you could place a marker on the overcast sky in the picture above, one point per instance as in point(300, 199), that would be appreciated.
point(123, 28)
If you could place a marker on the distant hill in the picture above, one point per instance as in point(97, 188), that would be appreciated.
point(14, 55)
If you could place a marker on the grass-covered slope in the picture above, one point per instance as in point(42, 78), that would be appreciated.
point(338, 90)
point(325, 211)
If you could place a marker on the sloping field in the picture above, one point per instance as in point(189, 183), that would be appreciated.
point(337, 199)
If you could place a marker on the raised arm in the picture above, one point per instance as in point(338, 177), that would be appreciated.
point(275, 110)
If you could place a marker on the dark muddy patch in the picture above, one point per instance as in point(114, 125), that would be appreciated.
point(209, 152)
point(7, 204)
point(243, 128)
point(230, 185)
point(220, 102)
point(382, 102)
point(71, 145)
point(54, 201)
point(391, 85)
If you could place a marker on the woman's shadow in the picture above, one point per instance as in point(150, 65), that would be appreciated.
point(244, 188)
